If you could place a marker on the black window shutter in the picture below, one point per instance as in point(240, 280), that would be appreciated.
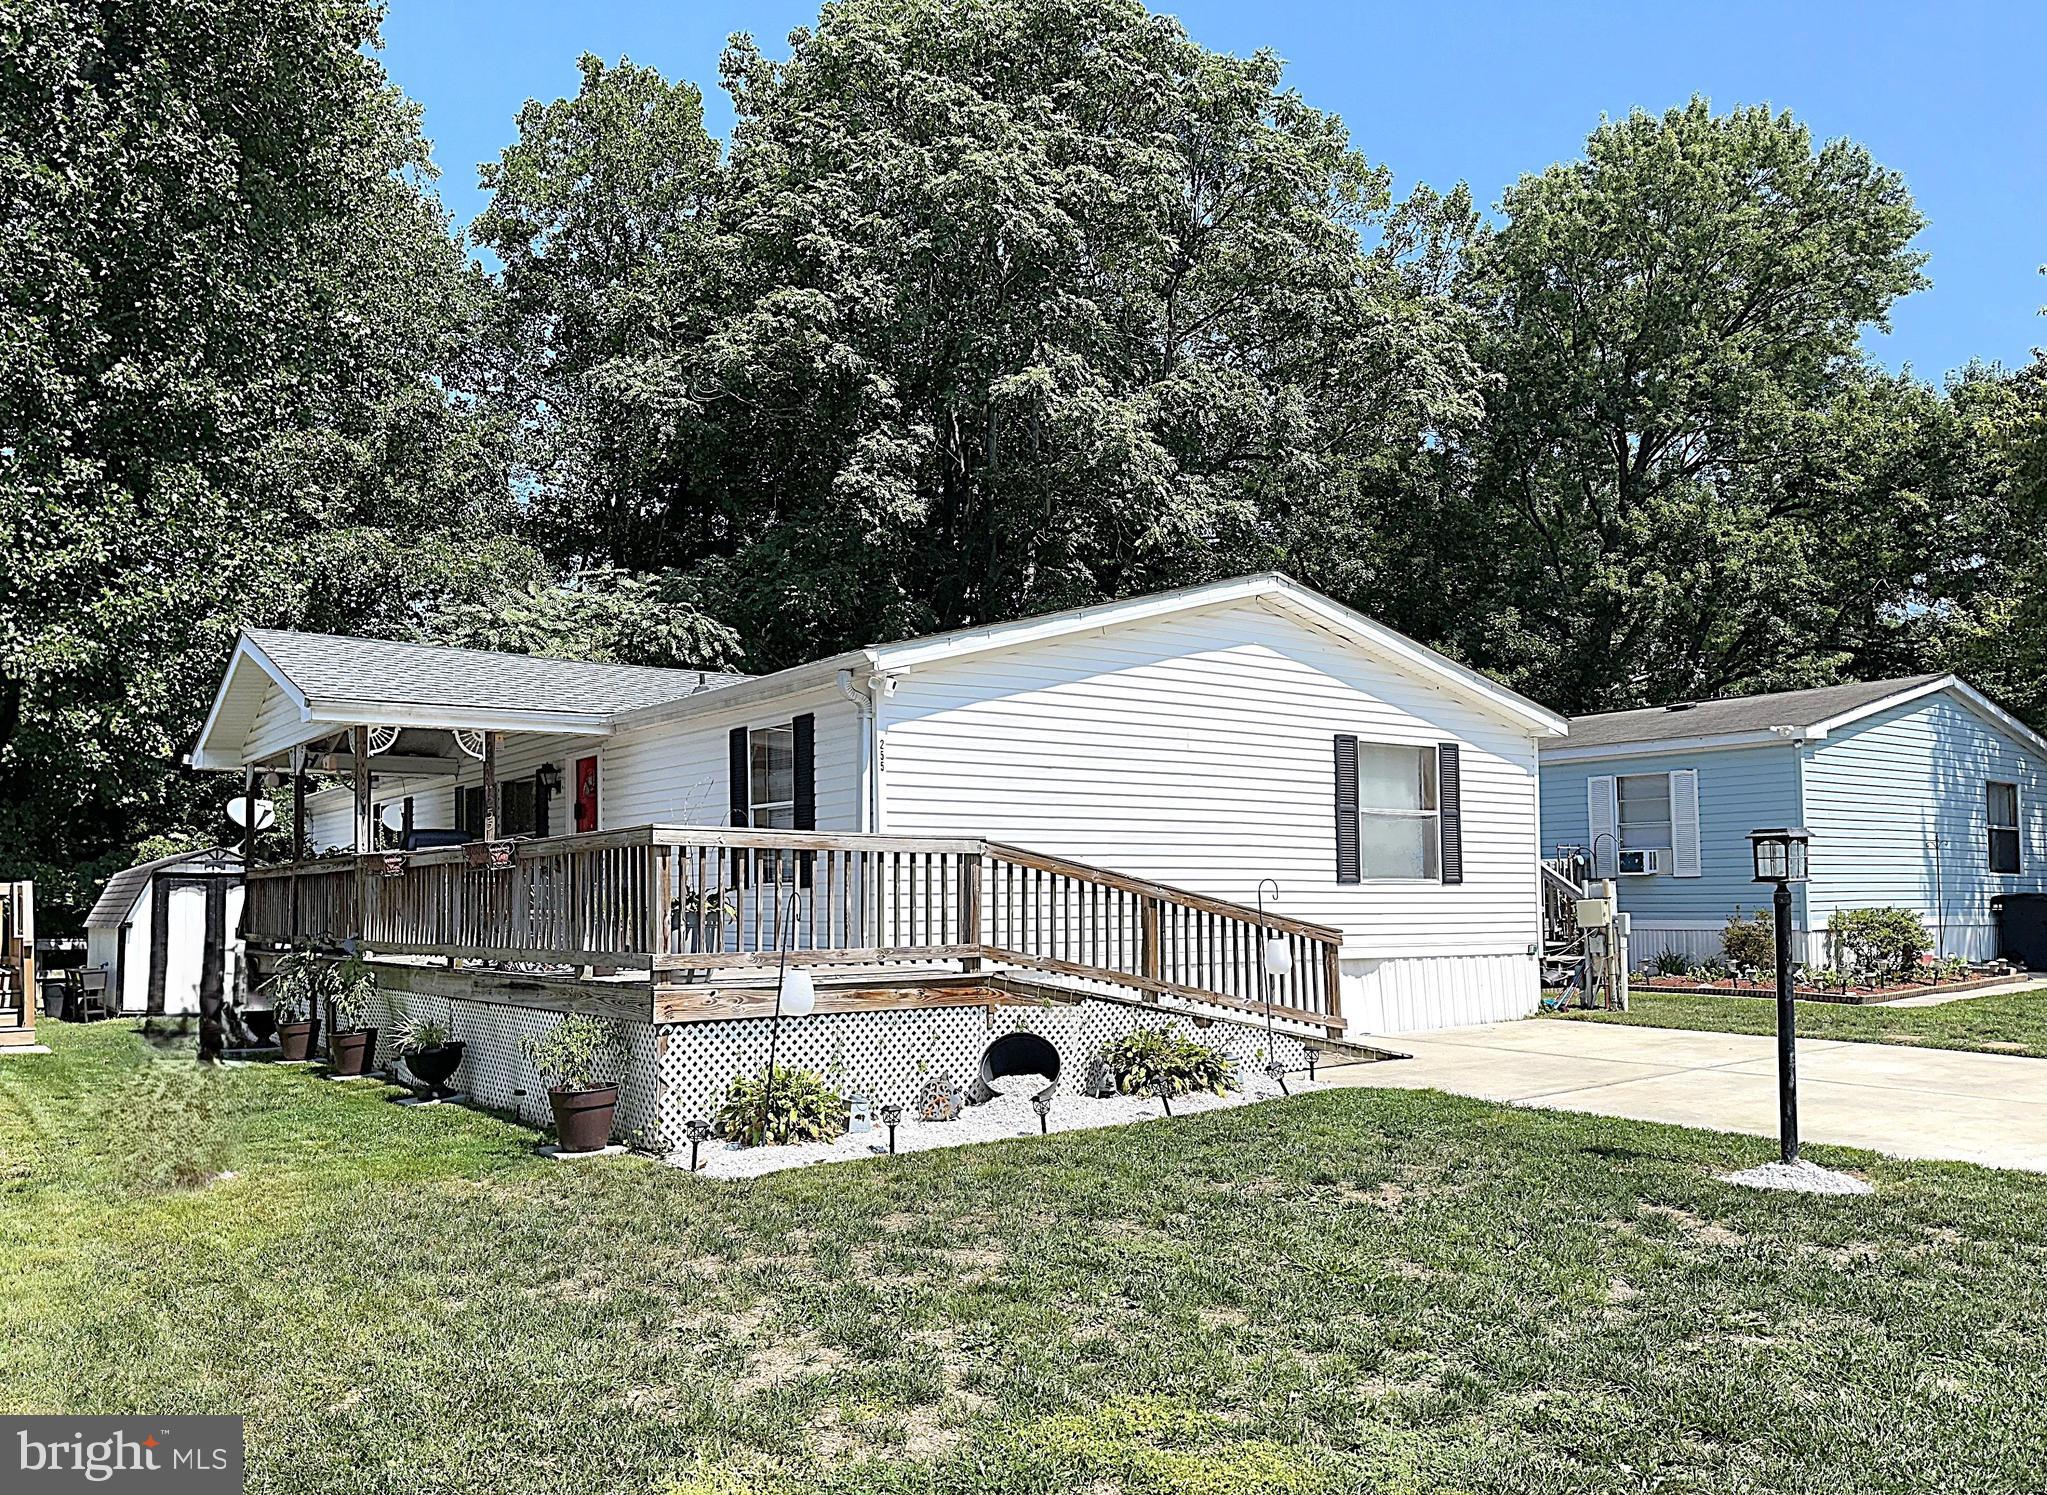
point(803, 735)
point(1450, 807)
point(1347, 869)
point(804, 731)
point(738, 771)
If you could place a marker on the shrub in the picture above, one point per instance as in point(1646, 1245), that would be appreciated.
point(1709, 970)
point(573, 1054)
point(1951, 968)
point(1751, 941)
point(1878, 944)
point(798, 1107)
point(1670, 963)
point(1153, 1061)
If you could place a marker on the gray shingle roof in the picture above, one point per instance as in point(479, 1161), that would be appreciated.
point(118, 897)
point(358, 669)
point(1784, 708)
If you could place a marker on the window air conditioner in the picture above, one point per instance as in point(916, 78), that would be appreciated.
point(1641, 863)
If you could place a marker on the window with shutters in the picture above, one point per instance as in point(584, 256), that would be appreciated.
point(771, 787)
point(2002, 800)
point(1642, 805)
point(1399, 827)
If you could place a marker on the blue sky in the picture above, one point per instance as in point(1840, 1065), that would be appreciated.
point(1950, 94)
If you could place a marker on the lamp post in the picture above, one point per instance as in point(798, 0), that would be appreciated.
point(1780, 859)
point(1277, 960)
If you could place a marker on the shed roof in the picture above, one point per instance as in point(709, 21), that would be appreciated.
point(1732, 715)
point(117, 899)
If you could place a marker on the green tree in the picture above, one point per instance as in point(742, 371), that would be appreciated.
point(997, 305)
point(1694, 482)
point(231, 315)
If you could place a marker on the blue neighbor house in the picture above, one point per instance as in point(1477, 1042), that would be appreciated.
point(1920, 793)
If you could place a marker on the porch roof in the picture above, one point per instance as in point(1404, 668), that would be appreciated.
point(284, 688)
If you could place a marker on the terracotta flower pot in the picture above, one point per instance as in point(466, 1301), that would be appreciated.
point(295, 1040)
point(582, 1118)
point(435, 1066)
point(354, 1052)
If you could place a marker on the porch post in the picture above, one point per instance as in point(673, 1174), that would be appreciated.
point(298, 831)
point(490, 786)
point(364, 817)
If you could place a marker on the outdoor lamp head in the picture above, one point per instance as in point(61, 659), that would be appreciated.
point(1279, 959)
point(1779, 854)
point(799, 992)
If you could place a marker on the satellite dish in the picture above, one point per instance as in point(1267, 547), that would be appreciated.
point(392, 815)
point(266, 812)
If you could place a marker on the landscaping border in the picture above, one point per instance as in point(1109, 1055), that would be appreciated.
point(1869, 997)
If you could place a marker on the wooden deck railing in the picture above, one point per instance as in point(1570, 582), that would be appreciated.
point(686, 903)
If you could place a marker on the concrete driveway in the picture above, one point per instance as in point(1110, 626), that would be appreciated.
point(1910, 1102)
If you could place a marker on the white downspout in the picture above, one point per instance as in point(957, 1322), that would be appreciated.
point(870, 776)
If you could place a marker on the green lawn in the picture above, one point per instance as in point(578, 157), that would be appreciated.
point(1356, 1290)
point(2014, 1023)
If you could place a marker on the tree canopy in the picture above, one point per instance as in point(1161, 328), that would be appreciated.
point(985, 307)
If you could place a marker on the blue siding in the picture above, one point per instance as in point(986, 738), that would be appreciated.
point(1739, 790)
point(1879, 792)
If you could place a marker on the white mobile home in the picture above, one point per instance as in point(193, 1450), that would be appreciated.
point(1124, 800)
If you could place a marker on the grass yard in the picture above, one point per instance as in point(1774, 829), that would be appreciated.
point(2014, 1023)
point(1357, 1290)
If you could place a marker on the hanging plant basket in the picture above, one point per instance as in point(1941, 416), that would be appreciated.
point(497, 856)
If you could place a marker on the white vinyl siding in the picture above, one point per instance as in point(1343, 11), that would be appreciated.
point(1195, 749)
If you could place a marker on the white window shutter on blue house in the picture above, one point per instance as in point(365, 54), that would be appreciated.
point(1684, 823)
point(1602, 815)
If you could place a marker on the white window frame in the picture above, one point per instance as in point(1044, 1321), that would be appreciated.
point(755, 808)
point(2014, 830)
point(1432, 860)
point(1668, 846)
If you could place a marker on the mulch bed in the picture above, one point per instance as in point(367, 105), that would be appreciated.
point(1855, 996)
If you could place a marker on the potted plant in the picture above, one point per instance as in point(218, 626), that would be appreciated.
point(493, 856)
point(296, 987)
point(430, 1051)
point(573, 1057)
point(352, 1041)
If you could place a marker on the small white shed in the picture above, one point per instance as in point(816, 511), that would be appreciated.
point(164, 932)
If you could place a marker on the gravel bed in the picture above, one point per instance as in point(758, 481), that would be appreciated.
point(1801, 1177)
point(1008, 1115)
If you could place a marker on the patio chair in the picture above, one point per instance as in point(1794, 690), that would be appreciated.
point(89, 998)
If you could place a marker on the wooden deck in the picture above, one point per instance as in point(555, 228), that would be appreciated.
point(685, 923)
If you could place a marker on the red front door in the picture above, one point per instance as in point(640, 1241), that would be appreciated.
point(586, 794)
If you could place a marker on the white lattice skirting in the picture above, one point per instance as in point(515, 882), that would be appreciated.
point(675, 1072)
